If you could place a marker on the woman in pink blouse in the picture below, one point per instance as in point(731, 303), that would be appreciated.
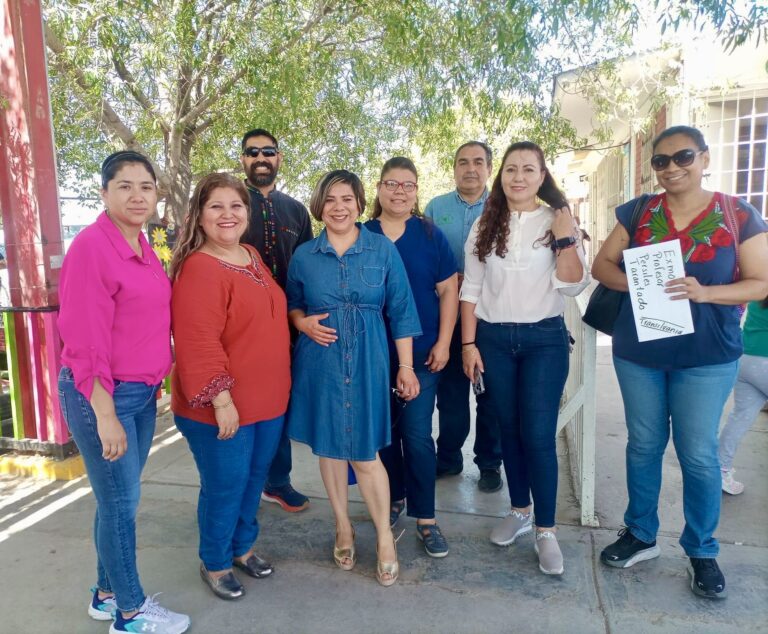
point(115, 320)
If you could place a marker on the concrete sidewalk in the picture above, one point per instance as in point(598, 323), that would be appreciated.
point(47, 558)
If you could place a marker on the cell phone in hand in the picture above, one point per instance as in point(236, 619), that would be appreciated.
point(478, 385)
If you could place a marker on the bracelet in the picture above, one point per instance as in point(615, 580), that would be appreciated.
point(409, 367)
point(469, 343)
point(227, 404)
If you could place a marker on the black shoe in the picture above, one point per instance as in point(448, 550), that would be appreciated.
point(707, 579)
point(225, 587)
point(628, 550)
point(254, 566)
point(443, 471)
point(490, 480)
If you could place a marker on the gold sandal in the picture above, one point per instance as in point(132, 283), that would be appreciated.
point(345, 558)
point(391, 568)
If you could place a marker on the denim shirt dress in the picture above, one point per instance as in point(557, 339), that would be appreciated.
point(340, 396)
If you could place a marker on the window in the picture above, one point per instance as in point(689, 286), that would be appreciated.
point(737, 132)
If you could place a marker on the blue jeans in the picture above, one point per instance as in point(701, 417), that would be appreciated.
point(232, 475)
point(116, 485)
point(525, 370)
point(453, 405)
point(410, 459)
point(280, 472)
point(692, 400)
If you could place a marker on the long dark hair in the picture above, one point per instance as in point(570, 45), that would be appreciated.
point(396, 162)
point(493, 229)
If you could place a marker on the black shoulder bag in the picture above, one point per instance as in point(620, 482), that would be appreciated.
point(604, 303)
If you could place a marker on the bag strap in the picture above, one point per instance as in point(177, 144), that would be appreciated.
point(637, 212)
point(729, 214)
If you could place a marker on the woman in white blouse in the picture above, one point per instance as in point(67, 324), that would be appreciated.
point(521, 258)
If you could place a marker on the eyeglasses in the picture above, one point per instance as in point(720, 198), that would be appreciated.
point(391, 186)
point(683, 158)
point(269, 151)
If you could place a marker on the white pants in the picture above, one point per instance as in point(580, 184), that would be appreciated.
point(749, 395)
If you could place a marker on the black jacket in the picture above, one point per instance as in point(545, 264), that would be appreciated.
point(292, 226)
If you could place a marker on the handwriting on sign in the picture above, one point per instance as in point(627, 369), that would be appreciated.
point(649, 268)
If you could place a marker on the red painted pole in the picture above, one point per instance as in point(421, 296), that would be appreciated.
point(29, 201)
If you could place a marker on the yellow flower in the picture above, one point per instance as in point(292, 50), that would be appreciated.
point(163, 252)
point(159, 236)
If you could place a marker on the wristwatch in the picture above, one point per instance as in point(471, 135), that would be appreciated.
point(564, 243)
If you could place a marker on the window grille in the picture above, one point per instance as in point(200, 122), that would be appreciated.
point(736, 130)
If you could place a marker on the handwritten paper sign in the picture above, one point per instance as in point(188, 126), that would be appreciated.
point(648, 269)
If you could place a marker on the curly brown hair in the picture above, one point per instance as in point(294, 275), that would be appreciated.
point(493, 228)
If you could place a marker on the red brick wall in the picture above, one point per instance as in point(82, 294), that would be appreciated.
point(659, 125)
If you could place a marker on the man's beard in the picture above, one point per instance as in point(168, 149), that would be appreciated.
point(262, 179)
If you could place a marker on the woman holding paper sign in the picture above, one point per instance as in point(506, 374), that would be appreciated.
point(683, 379)
point(522, 257)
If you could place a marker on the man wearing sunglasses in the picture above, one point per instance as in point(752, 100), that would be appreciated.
point(455, 213)
point(278, 224)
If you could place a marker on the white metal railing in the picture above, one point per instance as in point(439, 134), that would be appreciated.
point(579, 408)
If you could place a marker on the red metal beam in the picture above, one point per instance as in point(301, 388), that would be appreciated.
point(29, 203)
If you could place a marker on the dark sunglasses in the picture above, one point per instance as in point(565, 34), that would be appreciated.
point(683, 158)
point(268, 151)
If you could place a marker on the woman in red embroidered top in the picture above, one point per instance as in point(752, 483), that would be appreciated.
point(232, 375)
point(681, 383)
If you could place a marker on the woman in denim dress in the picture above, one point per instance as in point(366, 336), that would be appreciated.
point(339, 286)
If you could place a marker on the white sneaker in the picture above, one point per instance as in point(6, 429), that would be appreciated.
point(151, 617)
point(548, 550)
point(511, 527)
point(730, 485)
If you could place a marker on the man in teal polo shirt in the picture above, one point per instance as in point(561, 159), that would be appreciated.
point(455, 213)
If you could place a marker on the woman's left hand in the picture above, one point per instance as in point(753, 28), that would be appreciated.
point(407, 384)
point(563, 224)
point(438, 357)
point(688, 288)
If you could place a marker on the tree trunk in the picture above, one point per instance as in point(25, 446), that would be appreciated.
point(179, 173)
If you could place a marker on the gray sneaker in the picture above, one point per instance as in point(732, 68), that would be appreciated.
point(548, 550)
point(511, 527)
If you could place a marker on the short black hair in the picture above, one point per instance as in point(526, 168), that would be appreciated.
point(116, 160)
point(485, 146)
point(694, 134)
point(258, 132)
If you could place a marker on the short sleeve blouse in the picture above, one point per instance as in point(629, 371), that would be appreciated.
point(709, 256)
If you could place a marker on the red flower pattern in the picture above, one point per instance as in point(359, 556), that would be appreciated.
point(703, 253)
point(643, 236)
point(701, 247)
point(721, 238)
point(686, 243)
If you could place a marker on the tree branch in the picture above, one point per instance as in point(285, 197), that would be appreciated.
point(215, 92)
point(129, 80)
point(109, 121)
